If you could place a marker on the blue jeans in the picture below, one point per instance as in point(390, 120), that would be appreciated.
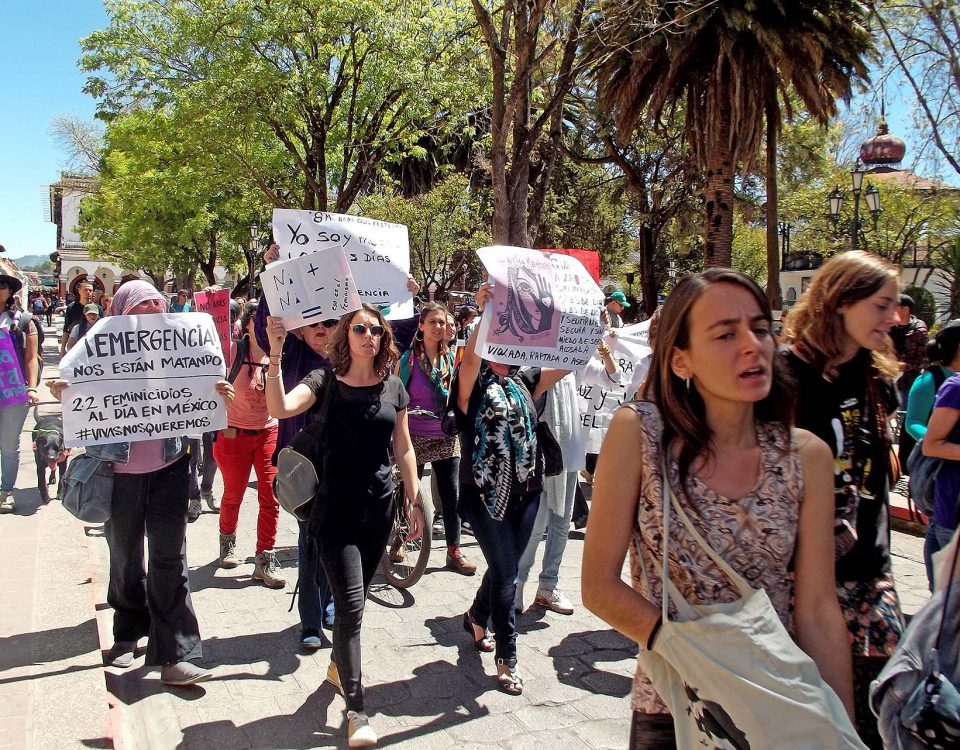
point(11, 426)
point(937, 538)
point(315, 600)
point(502, 543)
point(557, 528)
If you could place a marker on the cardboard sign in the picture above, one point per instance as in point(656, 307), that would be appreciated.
point(378, 252)
point(545, 309)
point(142, 377)
point(217, 304)
point(13, 386)
point(310, 288)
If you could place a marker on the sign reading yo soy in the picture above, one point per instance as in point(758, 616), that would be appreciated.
point(140, 377)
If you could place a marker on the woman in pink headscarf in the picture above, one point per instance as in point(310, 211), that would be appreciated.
point(150, 490)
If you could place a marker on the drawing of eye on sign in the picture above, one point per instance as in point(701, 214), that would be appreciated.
point(545, 309)
point(310, 288)
point(377, 252)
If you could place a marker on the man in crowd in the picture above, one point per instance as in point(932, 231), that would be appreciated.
point(74, 312)
point(910, 340)
point(616, 303)
point(182, 303)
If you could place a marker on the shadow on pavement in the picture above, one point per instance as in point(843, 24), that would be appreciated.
point(56, 644)
point(577, 657)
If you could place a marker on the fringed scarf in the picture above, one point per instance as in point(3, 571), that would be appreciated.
point(504, 438)
point(438, 376)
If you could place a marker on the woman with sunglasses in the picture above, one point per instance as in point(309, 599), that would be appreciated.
point(353, 514)
point(426, 370)
point(13, 416)
point(249, 441)
point(501, 479)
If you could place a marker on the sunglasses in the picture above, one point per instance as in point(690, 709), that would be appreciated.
point(328, 323)
point(360, 329)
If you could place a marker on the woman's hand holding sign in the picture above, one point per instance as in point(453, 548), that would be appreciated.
point(225, 390)
point(276, 334)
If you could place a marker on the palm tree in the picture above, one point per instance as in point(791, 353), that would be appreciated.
point(726, 62)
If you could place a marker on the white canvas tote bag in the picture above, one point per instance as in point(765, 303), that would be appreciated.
point(732, 676)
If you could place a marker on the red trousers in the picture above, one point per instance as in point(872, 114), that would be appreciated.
point(235, 456)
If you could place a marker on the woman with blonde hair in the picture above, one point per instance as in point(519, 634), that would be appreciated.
point(843, 363)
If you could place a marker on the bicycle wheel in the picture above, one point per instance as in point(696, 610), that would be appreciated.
point(403, 562)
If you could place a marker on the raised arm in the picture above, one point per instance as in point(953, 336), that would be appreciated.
point(281, 404)
point(470, 364)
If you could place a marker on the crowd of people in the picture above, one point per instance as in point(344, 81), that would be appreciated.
point(748, 482)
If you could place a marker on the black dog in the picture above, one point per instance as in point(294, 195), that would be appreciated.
point(49, 453)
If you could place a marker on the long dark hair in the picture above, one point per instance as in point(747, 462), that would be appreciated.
point(339, 350)
point(683, 411)
point(942, 348)
point(425, 310)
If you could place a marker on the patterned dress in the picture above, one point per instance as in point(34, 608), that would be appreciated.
point(755, 534)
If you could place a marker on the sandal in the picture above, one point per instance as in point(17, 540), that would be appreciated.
point(484, 643)
point(508, 677)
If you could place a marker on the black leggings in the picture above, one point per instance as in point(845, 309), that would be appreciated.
point(350, 558)
point(447, 472)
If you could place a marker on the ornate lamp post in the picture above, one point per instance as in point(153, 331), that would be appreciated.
point(872, 197)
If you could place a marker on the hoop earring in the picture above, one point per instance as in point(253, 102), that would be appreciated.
point(419, 335)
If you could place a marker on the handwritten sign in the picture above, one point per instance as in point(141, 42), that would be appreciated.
point(13, 387)
point(545, 309)
point(141, 377)
point(310, 288)
point(378, 252)
point(217, 304)
point(589, 258)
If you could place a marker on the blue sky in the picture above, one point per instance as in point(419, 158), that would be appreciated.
point(39, 78)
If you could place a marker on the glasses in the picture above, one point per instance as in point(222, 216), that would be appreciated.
point(328, 323)
point(360, 329)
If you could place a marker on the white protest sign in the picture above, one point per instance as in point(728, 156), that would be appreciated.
point(310, 288)
point(140, 377)
point(599, 396)
point(378, 252)
point(545, 309)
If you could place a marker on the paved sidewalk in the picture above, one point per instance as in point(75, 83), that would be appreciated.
point(426, 685)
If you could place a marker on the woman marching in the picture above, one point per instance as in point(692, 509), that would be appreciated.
point(354, 512)
point(501, 480)
point(426, 370)
point(843, 363)
point(150, 490)
point(750, 511)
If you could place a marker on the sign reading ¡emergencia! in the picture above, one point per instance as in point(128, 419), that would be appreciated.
point(217, 304)
point(378, 252)
point(545, 309)
point(310, 288)
point(140, 377)
point(13, 387)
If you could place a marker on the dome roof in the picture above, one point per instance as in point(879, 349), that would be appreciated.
point(883, 148)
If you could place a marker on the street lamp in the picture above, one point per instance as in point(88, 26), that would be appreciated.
point(253, 248)
point(630, 277)
point(783, 229)
point(872, 197)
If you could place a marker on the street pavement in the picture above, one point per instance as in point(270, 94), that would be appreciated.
point(426, 686)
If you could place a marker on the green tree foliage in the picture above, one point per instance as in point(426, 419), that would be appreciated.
point(446, 225)
point(303, 99)
point(729, 63)
point(162, 204)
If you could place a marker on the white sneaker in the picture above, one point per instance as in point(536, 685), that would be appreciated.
point(359, 731)
point(7, 503)
point(554, 600)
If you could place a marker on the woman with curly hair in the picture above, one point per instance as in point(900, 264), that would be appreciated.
point(354, 512)
point(844, 365)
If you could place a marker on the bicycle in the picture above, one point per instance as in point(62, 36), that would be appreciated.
point(403, 560)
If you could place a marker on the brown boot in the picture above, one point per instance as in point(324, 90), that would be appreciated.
point(456, 561)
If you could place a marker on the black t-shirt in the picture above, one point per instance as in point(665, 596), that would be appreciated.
point(360, 426)
point(527, 378)
point(833, 412)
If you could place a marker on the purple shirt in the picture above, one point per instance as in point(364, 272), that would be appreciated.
point(424, 395)
point(947, 488)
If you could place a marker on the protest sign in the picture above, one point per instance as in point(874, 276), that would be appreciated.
point(589, 258)
point(599, 396)
point(310, 288)
point(378, 252)
point(13, 386)
point(217, 304)
point(140, 377)
point(545, 309)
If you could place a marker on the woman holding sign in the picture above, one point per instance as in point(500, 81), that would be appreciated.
point(24, 371)
point(501, 479)
point(150, 488)
point(353, 514)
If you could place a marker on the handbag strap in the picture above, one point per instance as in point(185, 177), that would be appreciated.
point(670, 500)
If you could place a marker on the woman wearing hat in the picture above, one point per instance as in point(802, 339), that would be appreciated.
point(91, 314)
point(12, 417)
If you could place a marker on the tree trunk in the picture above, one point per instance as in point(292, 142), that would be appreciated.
point(718, 198)
point(773, 245)
point(210, 263)
point(649, 288)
